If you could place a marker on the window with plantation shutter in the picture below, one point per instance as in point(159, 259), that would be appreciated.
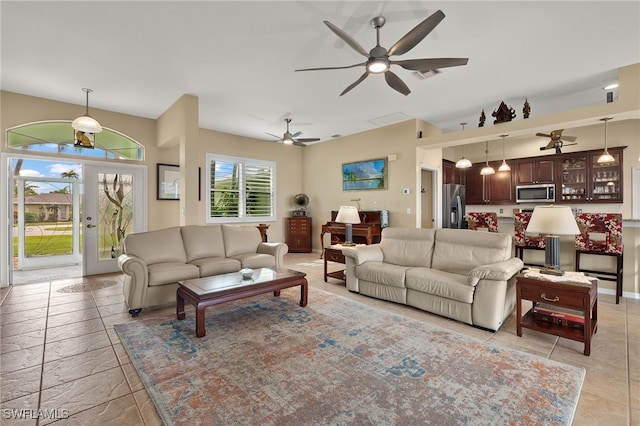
point(239, 189)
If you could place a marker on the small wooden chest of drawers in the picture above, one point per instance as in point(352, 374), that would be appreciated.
point(299, 234)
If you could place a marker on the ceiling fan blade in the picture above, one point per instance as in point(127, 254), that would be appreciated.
point(552, 143)
point(298, 143)
point(307, 140)
point(430, 64)
point(347, 39)
point(333, 68)
point(395, 83)
point(354, 84)
point(271, 134)
point(415, 36)
point(569, 138)
point(296, 134)
point(569, 144)
point(543, 134)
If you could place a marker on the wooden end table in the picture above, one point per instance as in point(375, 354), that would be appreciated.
point(333, 254)
point(568, 295)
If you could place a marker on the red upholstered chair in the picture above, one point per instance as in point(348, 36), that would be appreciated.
point(601, 234)
point(476, 221)
point(522, 240)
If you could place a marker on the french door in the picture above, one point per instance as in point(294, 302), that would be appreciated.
point(114, 205)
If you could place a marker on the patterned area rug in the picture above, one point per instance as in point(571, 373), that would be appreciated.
point(266, 360)
point(82, 287)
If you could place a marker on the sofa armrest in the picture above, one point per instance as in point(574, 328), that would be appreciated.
point(277, 250)
point(136, 279)
point(361, 254)
point(501, 271)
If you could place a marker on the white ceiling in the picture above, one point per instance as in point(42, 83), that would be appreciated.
point(239, 59)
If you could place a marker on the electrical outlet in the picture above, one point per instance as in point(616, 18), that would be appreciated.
point(501, 211)
point(408, 210)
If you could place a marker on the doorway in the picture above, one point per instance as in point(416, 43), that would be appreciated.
point(428, 198)
point(72, 225)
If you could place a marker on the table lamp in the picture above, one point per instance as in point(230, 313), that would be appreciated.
point(552, 221)
point(348, 215)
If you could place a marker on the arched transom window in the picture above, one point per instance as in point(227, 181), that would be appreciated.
point(60, 137)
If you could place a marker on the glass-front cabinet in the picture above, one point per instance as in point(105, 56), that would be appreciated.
point(586, 180)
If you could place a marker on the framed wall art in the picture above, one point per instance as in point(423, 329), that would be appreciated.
point(363, 175)
point(168, 182)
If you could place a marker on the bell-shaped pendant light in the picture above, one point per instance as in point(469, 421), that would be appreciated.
point(487, 170)
point(504, 167)
point(85, 123)
point(606, 157)
point(463, 163)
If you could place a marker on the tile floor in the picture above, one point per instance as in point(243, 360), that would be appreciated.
point(63, 363)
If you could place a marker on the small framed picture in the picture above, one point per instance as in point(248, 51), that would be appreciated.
point(168, 182)
point(84, 140)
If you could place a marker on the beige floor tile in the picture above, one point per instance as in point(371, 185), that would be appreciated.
point(115, 309)
point(21, 341)
point(132, 377)
point(121, 411)
point(25, 326)
point(24, 307)
point(74, 367)
point(85, 393)
point(23, 358)
point(76, 345)
point(58, 298)
point(20, 411)
point(25, 300)
point(121, 353)
point(147, 409)
point(74, 329)
point(72, 317)
point(71, 307)
point(8, 318)
point(19, 383)
point(110, 300)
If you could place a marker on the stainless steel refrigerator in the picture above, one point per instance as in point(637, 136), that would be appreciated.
point(453, 205)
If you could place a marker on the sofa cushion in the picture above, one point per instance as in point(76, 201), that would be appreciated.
point(202, 241)
point(240, 239)
point(216, 265)
point(382, 273)
point(171, 272)
point(256, 260)
point(460, 250)
point(439, 283)
point(163, 245)
point(407, 247)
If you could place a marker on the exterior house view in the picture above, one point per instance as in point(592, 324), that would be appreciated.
point(400, 314)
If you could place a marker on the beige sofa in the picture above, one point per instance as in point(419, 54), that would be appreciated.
point(465, 275)
point(153, 262)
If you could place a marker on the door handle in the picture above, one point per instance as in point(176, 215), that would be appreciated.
point(90, 226)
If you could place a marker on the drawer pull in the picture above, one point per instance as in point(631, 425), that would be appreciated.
point(544, 296)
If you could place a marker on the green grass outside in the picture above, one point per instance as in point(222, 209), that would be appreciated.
point(46, 245)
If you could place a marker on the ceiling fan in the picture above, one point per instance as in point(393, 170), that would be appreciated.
point(557, 141)
point(292, 139)
point(378, 58)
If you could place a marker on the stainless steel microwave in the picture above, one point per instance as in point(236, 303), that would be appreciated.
point(542, 193)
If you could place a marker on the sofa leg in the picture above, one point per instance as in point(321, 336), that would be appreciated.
point(135, 312)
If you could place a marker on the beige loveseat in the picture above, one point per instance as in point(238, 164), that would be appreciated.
point(457, 273)
point(153, 262)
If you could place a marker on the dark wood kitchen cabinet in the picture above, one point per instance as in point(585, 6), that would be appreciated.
point(299, 234)
point(584, 180)
point(490, 189)
point(531, 171)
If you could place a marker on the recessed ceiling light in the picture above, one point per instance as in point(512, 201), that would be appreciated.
point(611, 86)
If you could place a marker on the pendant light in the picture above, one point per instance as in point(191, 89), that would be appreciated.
point(606, 157)
point(463, 163)
point(504, 167)
point(487, 170)
point(86, 123)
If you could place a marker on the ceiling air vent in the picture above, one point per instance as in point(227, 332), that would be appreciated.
point(423, 75)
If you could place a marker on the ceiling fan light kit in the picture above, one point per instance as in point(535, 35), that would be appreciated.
point(292, 139)
point(378, 61)
point(85, 123)
point(606, 157)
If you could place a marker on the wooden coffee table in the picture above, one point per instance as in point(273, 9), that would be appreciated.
point(203, 292)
